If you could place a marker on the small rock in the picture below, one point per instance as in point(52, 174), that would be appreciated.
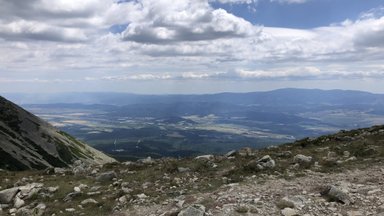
point(353, 158)
point(123, 200)
point(79, 171)
point(374, 191)
point(331, 155)
point(183, 169)
point(289, 212)
point(284, 154)
point(83, 186)
point(205, 157)
point(59, 171)
point(94, 193)
point(88, 201)
point(297, 202)
point(124, 184)
point(70, 210)
point(106, 176)
point(346, 154)
point(70, 196)
point(285, 203)
point(180, 203)
point(94, 171)
point(18, 203)
point(76, 189)
point(52, 189)
point(194, 210)
point(12, 211)
point(355, 213)
point(39, 210)
point(147, 160)
point(246, 152)
point(141, 196)
point(380, 209)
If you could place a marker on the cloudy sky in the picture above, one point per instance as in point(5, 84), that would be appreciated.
point(190, 46)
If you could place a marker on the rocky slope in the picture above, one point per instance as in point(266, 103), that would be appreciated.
point(27, 142)
point(340, 175)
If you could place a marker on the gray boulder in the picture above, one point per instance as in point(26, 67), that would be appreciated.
point(7, 195)
point(332, 193)
point(39, 210)
point(296, 202)
point(265, 162)
point(289, 212)
point(231, 153)
point(147, 160)
point(302, 159)
point(194, 210)
point(106, 176)
point(18, 203)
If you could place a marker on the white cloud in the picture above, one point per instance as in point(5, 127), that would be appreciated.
point(177, 40)
point(186, 20)
point(235, 1)
point(290, 1)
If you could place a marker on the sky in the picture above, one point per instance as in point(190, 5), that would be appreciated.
point(190, 46)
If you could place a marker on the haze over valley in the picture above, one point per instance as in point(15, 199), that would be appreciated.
point(131, 126)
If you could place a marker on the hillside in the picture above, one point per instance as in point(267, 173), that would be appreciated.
point(339, 174)
point(27, 142)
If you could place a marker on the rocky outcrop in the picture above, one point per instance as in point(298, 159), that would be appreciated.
point(27, 142)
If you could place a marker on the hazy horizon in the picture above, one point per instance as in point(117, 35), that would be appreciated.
point(181, 93)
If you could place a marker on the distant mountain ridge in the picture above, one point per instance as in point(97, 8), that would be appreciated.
point(279, 96)
point(27, 142)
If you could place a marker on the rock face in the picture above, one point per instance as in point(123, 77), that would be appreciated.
point(27, 142)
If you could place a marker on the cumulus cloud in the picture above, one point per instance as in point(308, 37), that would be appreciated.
point(186, 20)
point(66, 21)
point(23, 29)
